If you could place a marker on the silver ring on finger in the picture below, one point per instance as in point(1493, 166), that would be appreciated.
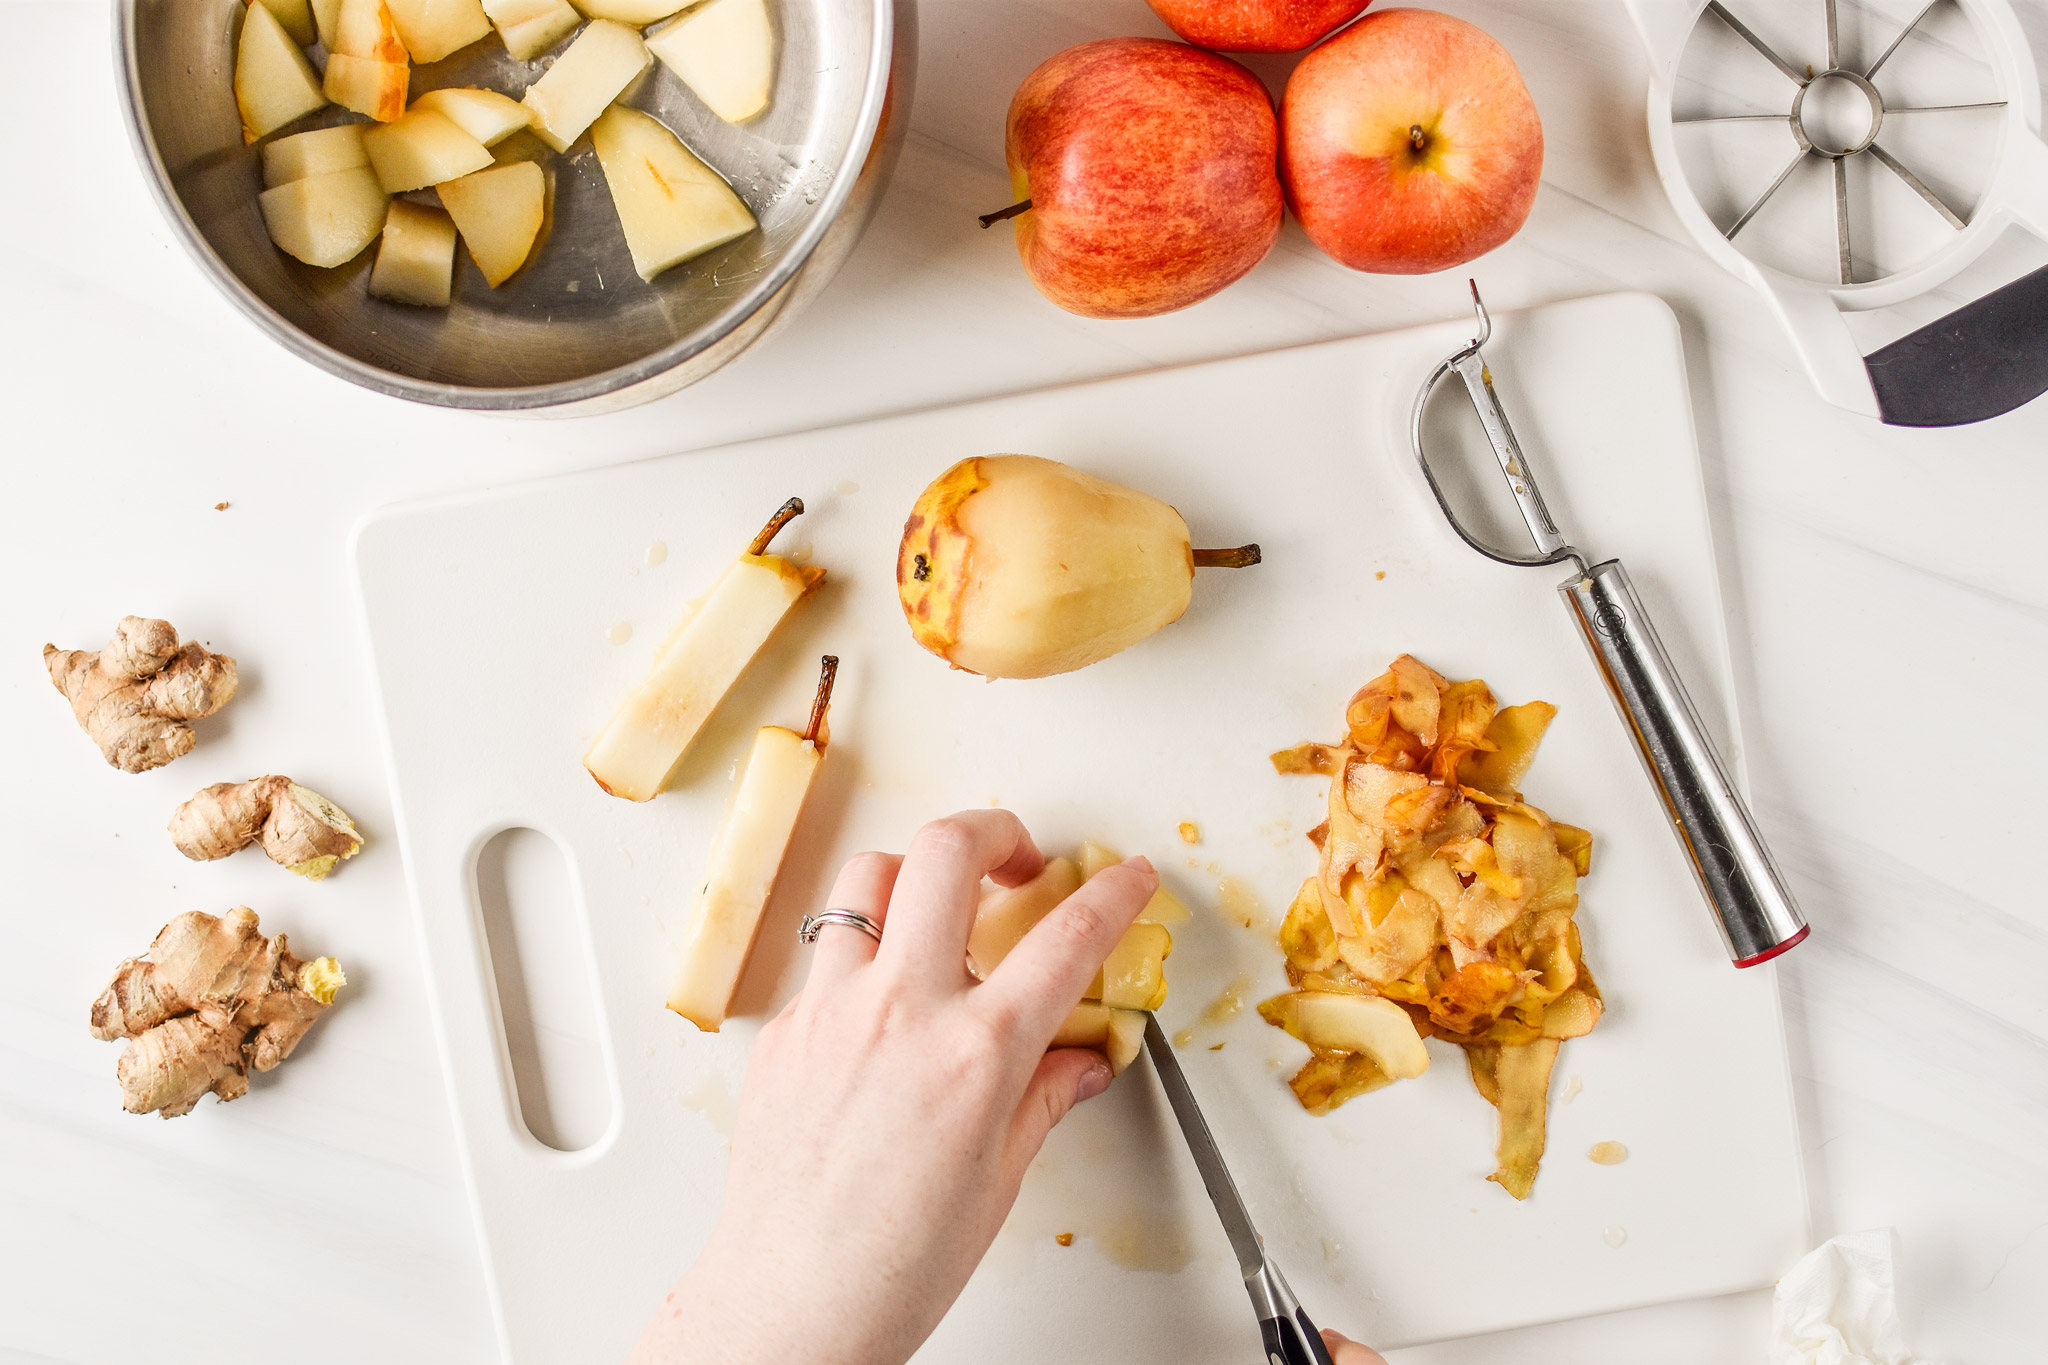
point(813, 925)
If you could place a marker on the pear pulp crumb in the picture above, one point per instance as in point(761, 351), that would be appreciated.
point(1379, 575)
point(1216, 1047)
point(1065, 1239)
point(1607, 1153)
point(1190, 832)
point(220, 507)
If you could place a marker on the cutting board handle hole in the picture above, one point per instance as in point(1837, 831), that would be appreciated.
point(547, 1001)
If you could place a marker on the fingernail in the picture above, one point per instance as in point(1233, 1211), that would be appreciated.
point(1093, 1082)
point(1142, 863)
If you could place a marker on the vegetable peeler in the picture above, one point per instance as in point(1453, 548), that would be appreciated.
point(1290, 1338)
point(1757, 915)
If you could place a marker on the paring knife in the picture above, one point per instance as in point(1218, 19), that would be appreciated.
point(1291, 1339)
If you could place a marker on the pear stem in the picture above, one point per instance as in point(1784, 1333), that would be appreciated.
point(828, 671)
point(1243, 557)
point(989, 220)
point(788, 512)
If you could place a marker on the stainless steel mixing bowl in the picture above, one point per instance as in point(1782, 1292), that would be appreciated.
point(576, 330)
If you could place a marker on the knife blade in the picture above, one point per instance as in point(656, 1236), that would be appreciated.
point(1284, 1327)
point(1237, 1221)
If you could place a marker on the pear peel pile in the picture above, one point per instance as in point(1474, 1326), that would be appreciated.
point(1013, 566)
point(1443, 906)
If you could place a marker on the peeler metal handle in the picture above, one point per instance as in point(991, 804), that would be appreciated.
point(1757, 914)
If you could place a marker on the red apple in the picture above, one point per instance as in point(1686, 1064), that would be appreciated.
point(1255, 25)
point(1149, 168)
point(1409, 143)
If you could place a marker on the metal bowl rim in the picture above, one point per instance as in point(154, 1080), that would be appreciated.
point(512, 399)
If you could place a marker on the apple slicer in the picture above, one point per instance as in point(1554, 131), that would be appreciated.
point(1755, 910)
point(1916, 129)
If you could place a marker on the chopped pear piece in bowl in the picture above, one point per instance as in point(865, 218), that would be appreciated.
point(316, 153)
point(725, 52)
point(671, 205)
point(698, 663)
point(366, 29)
point(531, 27)
point(327, 21)
point(499, 212)
point(746, 859)
point(366, 86)
point(295, 17)
point(416, 258)
point(422, 148)
point(274, 83)
point(591, 73)
point(325, 220)
point(431, 29)
point(485, 115)
point(638, 13)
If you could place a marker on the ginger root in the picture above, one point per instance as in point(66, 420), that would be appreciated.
point(213, 998)
point(135, 696)
point(300, 829)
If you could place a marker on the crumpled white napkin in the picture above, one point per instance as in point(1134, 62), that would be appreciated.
point(1836, 1306)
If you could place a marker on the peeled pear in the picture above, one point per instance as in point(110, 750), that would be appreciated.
point(1013, 566)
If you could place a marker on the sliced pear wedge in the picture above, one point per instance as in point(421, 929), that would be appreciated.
point(646, 737)
point(746, 860)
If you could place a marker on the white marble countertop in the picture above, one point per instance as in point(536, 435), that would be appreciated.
point(1882, 587)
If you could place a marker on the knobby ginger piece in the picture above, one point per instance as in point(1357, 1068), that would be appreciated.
point(646, 737)
point(213, 999)
point(135, 697)
point(300, 830)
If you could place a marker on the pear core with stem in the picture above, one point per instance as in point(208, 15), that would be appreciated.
point(1013, 566)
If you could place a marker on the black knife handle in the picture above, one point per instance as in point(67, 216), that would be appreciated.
point(1293, 1341)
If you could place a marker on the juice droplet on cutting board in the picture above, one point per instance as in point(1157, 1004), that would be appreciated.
point(657, 553)
point(846, 488)
point(709, 1097)
point(1615, 1235)
point(1607, 1154)
point(1572, 1088)
point(1240, 903)
point(1226, 1006)
point(620, 632)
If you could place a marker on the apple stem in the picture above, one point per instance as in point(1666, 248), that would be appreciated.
point(989, 220)
point(1243, 557)
point(784, 514)
point(828, 671)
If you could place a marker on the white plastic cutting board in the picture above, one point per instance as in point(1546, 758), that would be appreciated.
point(1380, 1215)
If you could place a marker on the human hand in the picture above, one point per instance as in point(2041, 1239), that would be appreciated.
point(1344, 1351)
point(890, 1111)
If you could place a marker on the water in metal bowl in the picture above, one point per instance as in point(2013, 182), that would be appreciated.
point(576, 329)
